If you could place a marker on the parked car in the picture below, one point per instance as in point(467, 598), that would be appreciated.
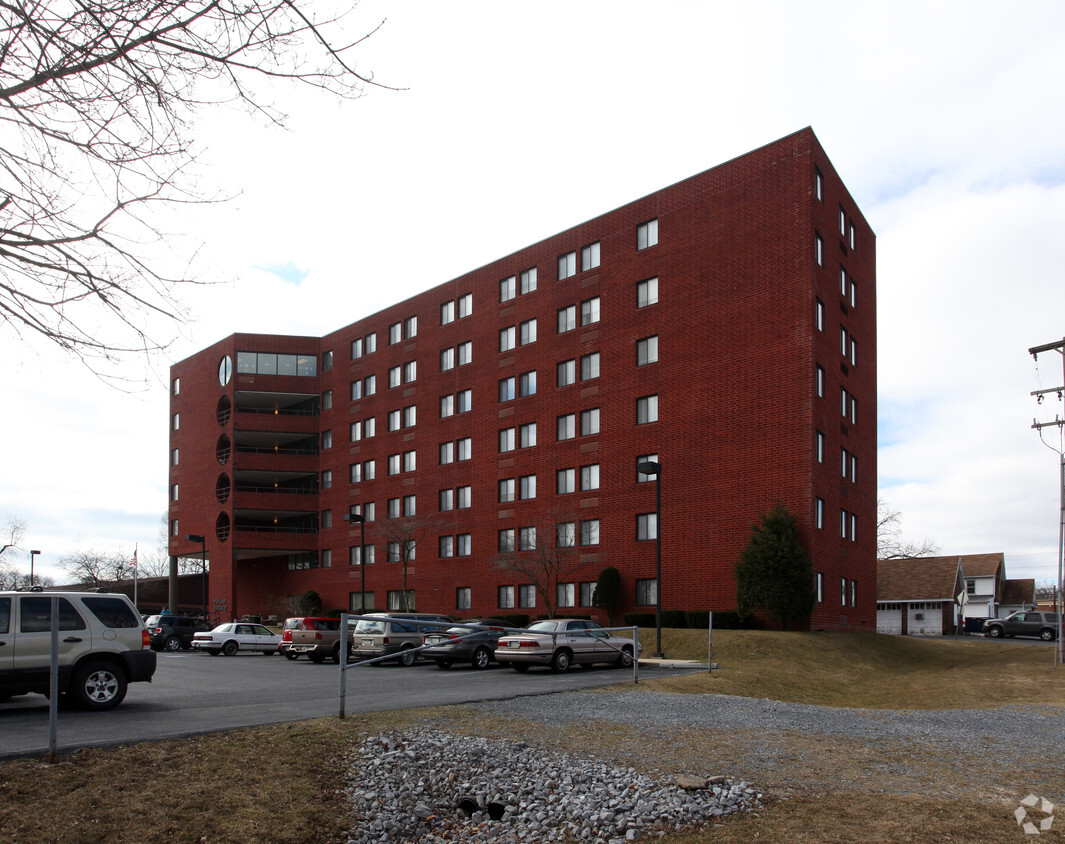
point(474, 643)
point(103, 646)
point(315, 636)
point(173, 632)
point(1045, 625)
point(237, 636)
point(394, 633)
point(562, 642)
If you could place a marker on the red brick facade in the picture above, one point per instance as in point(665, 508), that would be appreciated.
point(766, 295)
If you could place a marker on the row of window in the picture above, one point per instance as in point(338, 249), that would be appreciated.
point(848, 590)
point(848, 521)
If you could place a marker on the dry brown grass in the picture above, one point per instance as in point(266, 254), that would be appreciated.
point(280, 783)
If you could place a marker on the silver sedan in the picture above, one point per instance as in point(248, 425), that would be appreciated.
point(562, 642)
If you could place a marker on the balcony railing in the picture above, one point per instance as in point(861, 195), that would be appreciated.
point(281, 490)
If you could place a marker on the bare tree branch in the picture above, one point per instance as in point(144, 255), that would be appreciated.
point(97, 99)
point(890, 544)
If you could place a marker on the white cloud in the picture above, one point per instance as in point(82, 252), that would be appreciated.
point(945, 121)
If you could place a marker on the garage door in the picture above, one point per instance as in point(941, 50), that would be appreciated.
point(925, 620)
point(889, 620)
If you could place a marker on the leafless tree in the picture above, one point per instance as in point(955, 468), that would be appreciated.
point(96, 568)
point(155, 562)
point(11, 537)
point(544, 554)
point(401, 536)
point(890, 544)
point(97, 100)
point(1046, 590)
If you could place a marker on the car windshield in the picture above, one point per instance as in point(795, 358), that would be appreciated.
point(369, 627)
point(223, 628)
point(544, 626)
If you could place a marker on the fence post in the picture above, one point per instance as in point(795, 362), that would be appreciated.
point(710, 646)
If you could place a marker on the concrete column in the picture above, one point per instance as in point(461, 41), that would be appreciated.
point(173, 586)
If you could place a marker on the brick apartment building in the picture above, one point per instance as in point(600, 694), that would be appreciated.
point(723, 327)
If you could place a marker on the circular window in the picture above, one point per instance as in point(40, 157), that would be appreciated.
point(225, 370)
point(222, 489)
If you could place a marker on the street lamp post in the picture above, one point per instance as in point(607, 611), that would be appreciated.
point(649, 467)
point(195, 537)
point(32, 555)
point(357, 517)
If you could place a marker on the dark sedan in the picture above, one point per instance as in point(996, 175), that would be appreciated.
point(474, 642)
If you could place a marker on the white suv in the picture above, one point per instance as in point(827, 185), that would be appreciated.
point(103, 646)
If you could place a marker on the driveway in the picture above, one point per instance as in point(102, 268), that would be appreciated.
point(195, 693)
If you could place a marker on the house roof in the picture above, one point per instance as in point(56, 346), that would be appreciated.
point(983, 565)
point(917, 579)
point(1018, 591)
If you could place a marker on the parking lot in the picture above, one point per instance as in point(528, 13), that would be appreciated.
point(196, 693)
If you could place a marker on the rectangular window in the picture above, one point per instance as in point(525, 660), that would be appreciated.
point(356, 390)
point(852, 236)
point(566, 481)
point(527, 539)
point(356, 349)
point(819, 185)
point(447, 359)
point(647, 234)
point(854, 293)
point(506, 597)
point(644, 458)
point(393, 464)
point(843, 591)
point(370, 342)
point(564, 595)
point(447, 453)
point(355, 473)
point(527, 332)
point(567, 319)
point(647, 526)
point(527, 384)
point(819, 315)
point(590, 422)
point(409, 416)
point(447, 406)
point(465, 352)
point(173, 492)
point(528, 281)
point(463, 545)
point(567, 265)
point(590, 257)
point(567, 373)
point(327, 440)
point(447, 500)
point(842, 282)
point(527, 435)
point(819, 587)
point(327, 479)
point(647, 592)
point(506, 339)
point(526, 487)
point(394, 377)
point(369, 470)
point(464, 401)
point(842, 221)
point(327, 558)
point(590, 532)
point(395, 333)
point(819, 513)
point(526, 596)
point(566, 534)
point(410, 371)
point(410, 458)
point(819, 447)
point(464, 448)
point(393, 420)
point(854, 593)
point(446, 547)
point(647, 293)
point(646, 410)
point(355, 430)
point(590, 366)
point(327, 400)
point(369, 385)
point(463, 599)
point(588, 593)
point(505, 543)
point(854, 352)
point(567, 427)
point(410, 505)
point(819, 250)
point(447, 313)
point(175, 457)
point(369, 428)
point(174, 527)
point(175, 421)
point(647, 351)
point(464, 497)
point(410, 327)
point(819, 381)
point(506, 389)
point(843, 402)
point(589, 477)
point(465, 304)
point(590, 311)
point(506, 490)
point(392, 508)
point(508, 289)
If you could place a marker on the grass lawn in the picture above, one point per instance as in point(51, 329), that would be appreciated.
point(279, 783)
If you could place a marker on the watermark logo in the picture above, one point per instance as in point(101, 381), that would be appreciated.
point(1035, 814)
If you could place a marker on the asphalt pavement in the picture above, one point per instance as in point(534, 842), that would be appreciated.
point(194, 693)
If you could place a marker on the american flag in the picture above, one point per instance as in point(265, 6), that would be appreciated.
point(134, 561)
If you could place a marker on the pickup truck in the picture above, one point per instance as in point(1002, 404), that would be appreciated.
point(318, 638)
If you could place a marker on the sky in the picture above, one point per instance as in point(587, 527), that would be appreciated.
point(513, 121)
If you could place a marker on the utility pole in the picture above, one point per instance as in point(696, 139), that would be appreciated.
point(1059, 423)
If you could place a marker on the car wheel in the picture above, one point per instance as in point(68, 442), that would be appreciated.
point(336, 655)
point(520, 667)
point(408, 657)
point(561, 661)
point(230, 648)
point(443, 663)
point(625, 659)
point(270, 651)
point(1046, 635)
point(98, 686)
point(173, 643)
point(291, 655)
point(481, 658)
point(994, 632)
point(213, 651)
point(317, 659)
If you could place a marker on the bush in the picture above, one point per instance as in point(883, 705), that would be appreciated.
point(732, 620)
point(674, 618)
point(639, 619)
